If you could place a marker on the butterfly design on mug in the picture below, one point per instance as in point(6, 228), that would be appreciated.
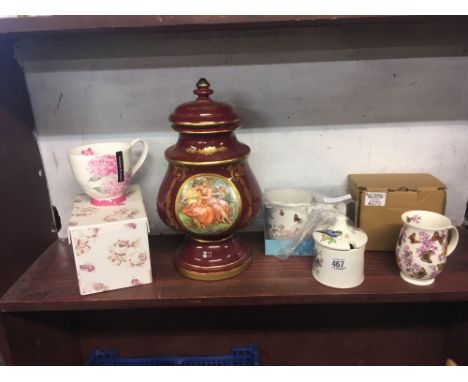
point(413, 239)
point(421, 273)
point(297, 219)
point(413, 219)
point(426, 256)
point(438, 237)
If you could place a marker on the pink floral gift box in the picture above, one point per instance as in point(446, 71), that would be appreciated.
point(110, 244)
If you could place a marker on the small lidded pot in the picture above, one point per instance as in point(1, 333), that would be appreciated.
point(339, 254)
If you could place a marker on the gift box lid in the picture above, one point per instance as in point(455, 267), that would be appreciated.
point(85, 215)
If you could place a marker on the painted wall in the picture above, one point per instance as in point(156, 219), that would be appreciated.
point(315, 104)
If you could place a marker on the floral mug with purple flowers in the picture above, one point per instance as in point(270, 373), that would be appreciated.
point(423, 246)
point(104, 170)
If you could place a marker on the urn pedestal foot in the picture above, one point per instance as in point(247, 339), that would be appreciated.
point(211, 260)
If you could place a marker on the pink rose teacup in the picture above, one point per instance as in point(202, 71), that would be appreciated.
point(104, 170)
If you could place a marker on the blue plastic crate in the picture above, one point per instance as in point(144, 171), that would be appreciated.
point(240, 356)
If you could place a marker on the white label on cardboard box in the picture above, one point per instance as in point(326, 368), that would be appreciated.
point(375, 199)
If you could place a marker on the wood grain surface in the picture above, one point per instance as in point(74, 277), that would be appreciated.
point(51, 283)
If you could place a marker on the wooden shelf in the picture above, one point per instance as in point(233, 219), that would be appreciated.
point(51, 283)
point(36, 24)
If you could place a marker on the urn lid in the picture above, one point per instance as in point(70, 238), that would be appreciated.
point(204, 115)
point(341, 235)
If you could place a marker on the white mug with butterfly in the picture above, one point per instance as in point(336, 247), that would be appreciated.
point(288, 211)
point(294, 213)
point(426, 240)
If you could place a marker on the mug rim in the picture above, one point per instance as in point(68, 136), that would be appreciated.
point(447, 224)
point(76, 151)
point(278, 202)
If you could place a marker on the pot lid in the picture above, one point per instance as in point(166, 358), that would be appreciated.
point(340, 235)
point(204, 114)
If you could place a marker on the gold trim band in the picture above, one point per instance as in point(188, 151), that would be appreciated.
point(212, 163)
point(206, 151)
point(205, 123)
point(215, 276)
point(205, 131)
point(238, 261)
point(213, 241)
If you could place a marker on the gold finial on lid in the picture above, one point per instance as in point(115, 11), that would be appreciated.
point(203, 83)
point(203, 90)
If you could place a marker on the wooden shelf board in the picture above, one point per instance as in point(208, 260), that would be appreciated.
point(36, 24)
point(51, 284)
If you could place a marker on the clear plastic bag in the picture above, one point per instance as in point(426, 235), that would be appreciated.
point(292, 215)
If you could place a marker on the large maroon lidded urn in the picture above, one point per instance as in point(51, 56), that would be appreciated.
point(209, 191)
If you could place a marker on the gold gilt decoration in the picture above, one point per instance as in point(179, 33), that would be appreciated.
point(236, 171)
point(204, 131)
point(212, 276)
point(248, 195)
point(179, 175)
point(206, 123)
point(209, 163)
point(207, 151)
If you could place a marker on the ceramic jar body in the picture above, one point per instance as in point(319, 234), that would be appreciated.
point(209, 202)
point(209, 191)
point(339, 254)
point(338, 269)
point(423, 246)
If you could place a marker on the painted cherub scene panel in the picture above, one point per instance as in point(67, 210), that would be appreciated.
point(207, 204)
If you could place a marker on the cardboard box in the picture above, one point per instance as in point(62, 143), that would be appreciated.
point(110, 244)
point(382, 198)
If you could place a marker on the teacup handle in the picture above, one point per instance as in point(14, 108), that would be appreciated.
point(453, 240)
point(143, 155)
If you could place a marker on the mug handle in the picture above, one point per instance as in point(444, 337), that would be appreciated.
point(143, 155)
point(453, 240)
